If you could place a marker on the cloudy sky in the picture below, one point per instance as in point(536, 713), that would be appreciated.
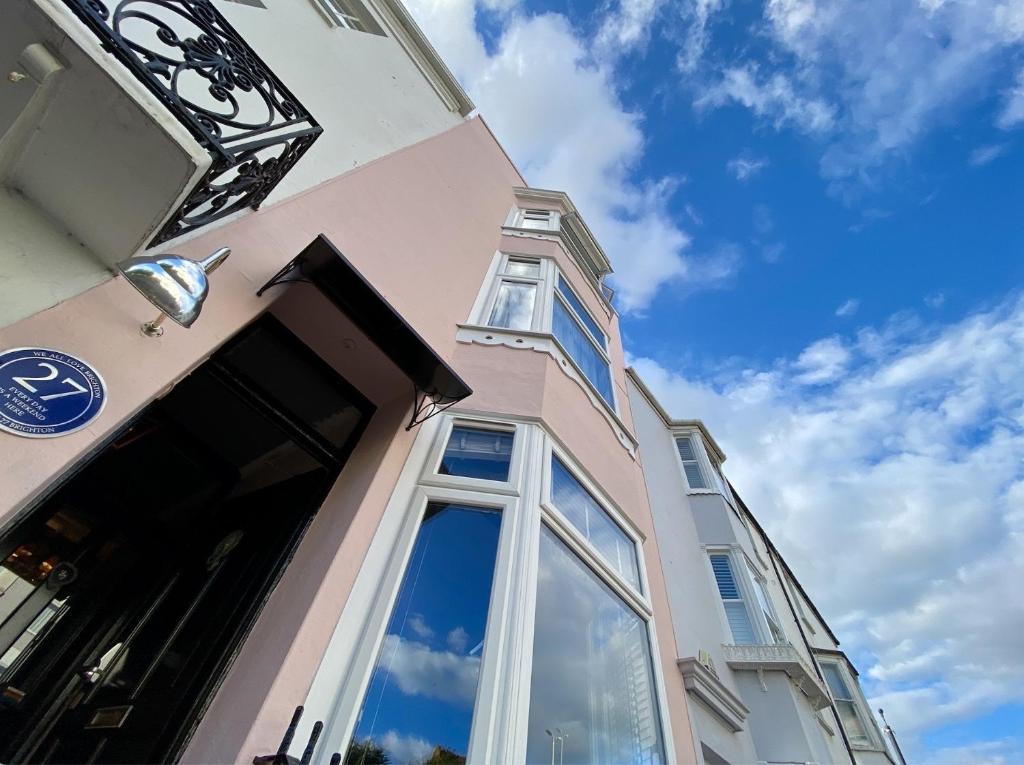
point(815, 210)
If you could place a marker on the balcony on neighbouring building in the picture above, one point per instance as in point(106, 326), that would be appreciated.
point(124, 124)
point(780, 657)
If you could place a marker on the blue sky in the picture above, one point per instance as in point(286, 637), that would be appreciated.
point(814, 209)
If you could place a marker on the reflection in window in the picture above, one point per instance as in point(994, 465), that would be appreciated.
point(581, 349)
point(845, 704)
point(584, 315)
point(418, 707)
point(477, 453)
point(523, 267)
point(590, 519)
point(513, 307)
point(592, 697)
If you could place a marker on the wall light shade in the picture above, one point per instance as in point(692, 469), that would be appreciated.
point(176, 285)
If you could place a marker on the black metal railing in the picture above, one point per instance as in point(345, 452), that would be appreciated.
point(197, 64)
point(281, 757)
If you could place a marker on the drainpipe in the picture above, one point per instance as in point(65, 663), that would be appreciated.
point(810, 652)
point(891, 734)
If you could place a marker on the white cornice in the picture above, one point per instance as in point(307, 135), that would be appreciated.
point(673, 424)
point(573, 231)
point(702, 684)
point(409, 35)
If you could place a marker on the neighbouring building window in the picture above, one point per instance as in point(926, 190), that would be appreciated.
point(842, 693)
point(592, 697)
point(477, 453)
point(530, 294)
point(419, 704)
point(691, 463)
point(591, 520)
point(767, 608)
point(733, 601)
point(351, 14)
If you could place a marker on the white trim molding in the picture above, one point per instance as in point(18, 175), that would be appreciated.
point(545, 342)
point(703, 685)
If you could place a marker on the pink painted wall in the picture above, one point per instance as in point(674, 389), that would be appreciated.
point(422, 225)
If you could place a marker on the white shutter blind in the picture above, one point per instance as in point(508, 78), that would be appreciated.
point(691, 466)
point(735, 609)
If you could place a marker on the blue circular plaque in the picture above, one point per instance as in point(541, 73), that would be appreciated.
point(46, 393)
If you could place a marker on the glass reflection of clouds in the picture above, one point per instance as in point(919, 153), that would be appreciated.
point(592, 698)
point(418, 707)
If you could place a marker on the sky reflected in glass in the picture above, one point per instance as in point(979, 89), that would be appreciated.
point(592, 698)
point(419, 704)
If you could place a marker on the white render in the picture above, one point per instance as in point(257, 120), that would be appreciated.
point(761, 702)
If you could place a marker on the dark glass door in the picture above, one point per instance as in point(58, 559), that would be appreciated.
point(125, 594)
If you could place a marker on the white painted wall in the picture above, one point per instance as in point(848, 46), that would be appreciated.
point(365, 91)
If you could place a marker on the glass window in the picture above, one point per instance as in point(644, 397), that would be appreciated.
point(732, 599)
point(687, 453)
point(592, 697)
point(477, 453)
point(841, 694)
point(419, 704)
point(539, 219)
point(590, 519)
point(523, 267)
point(581, 349)
point(584, 316)
point(513, 307)
point(761, 593)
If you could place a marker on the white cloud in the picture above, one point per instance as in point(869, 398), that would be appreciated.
point(773, 98)
point(571, 132)
point(985, 154)
point(419, 670)
point(697, 15)
point(407, 750)
point(1012, 114)
point(848, 308)
point(626, 28)
point(458, 639)
point(744, 167)
point(772, 253)
point(935, 299)
point(870, 80)
point(889, 468)
point(420, 627)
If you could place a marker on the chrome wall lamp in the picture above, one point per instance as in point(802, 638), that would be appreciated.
point(176, 285)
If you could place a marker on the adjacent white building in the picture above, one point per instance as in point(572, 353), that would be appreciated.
point(765, 679)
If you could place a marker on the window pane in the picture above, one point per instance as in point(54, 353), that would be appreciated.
point(590, 519)
point(588, 321)
point(517, 267)
point(579, 346)
point(477, 453)
point(687, 453)
point(513, 308)
point(851, 721)
point(539, 219)
point(592, 694)
point(836, 683)
point(419, 704)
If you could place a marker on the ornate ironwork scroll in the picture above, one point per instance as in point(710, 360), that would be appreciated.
point(197, 64)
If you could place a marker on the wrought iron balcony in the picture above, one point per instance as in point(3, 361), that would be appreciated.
point(188, 55)
point(779, 657)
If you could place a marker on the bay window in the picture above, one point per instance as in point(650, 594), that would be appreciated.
point(532, 294)
point(733, 601)
point(500, 615)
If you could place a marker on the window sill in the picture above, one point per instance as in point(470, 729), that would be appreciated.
point(545, 342)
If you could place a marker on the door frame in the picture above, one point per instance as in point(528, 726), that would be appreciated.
point(249, 390)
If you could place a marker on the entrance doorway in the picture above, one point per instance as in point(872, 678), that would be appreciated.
point(126, 593)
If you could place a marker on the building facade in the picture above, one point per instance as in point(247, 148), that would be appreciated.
point(396, 473)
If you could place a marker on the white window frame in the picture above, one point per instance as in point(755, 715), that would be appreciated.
point(518, 216)
point(860, 705)
point(501, 710)
point(542, 324)
point(742, 572)
point(336, 17)
point(760, 582)
point(710, 469)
